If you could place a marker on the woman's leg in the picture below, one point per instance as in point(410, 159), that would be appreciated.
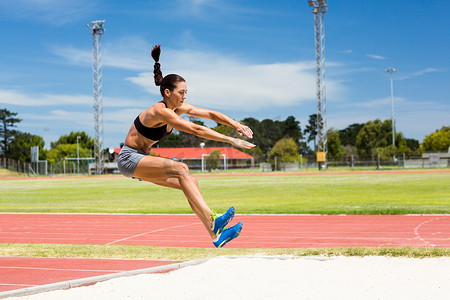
point(174, 183)
point(174, 174)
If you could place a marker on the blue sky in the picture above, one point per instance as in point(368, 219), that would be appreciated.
point(245, 58)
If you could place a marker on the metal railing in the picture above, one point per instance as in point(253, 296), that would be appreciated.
point(66, 167)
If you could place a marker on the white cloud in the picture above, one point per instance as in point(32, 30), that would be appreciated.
point(214, 80)
point(376, 103)
point(374, 56)
point(130, 53)
point(206, 9)
point(226, 82)
point(120, 116)
point(21, 99)
point(55, 12)
point(116, 123)
point(61, 115)
point(418, 73)
point(73, 55)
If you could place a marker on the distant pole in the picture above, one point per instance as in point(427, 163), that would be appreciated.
point(319, 8)
point(390, 71)
point(78, 154)
point(97, 32)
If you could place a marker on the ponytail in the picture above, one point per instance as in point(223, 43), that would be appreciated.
point(156, 52)
point(168, 82)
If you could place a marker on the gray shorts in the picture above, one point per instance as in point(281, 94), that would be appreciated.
point(128, 160)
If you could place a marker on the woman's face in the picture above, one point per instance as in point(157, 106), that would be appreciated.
point(178, 95)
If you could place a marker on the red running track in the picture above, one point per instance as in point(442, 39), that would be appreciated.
point(25, 272)
point(263, 231)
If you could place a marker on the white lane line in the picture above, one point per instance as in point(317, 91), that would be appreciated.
point(16, 284)
point(56, 269)
point(417, 234)
point(153, 231)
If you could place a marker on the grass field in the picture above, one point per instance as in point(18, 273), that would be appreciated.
point(184, 254)
point(328, 193)
point(373, 193)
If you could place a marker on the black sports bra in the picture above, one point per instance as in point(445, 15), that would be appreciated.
point(154, 134)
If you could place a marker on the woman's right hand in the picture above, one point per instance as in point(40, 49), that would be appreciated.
point(241, 143)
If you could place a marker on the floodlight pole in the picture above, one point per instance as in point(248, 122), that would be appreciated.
point(97, 32)
point(390, 71)
point(319, 8)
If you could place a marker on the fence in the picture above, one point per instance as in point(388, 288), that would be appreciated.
point(71, 166)
point(14, 165)
point(353, 162)
point(42, 167)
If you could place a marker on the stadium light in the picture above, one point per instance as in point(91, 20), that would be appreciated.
point(97, 31)
point(390, 71)
point(319, 8)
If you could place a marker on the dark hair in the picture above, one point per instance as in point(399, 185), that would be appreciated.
point(167, 82)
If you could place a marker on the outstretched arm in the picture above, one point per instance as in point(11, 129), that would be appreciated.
point(178, 123)
point(217, 117)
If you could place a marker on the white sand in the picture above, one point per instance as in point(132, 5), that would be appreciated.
point(280, 278)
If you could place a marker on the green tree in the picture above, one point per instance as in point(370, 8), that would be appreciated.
point(437, 141)
point(413, 144)
point(400, 145)
point(311, 130)
point(85, 141)
point(223, 129)
point(21, 144)
point(8, 119)
point(213, 160)
point(267, 132)
point(350, 151)
point(258, 135)
point(335, 149)
point(285, 150)
point(256, 153)
point(376, 134)
point(63, 151)
point(226, 130)
point(190, 140)
point(386, 153)
point(271, 131)
point(349, 134)
point(291, 129)
point(173, 140)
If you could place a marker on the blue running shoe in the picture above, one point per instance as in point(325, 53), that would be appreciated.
point(227, 235)
point(219, 222)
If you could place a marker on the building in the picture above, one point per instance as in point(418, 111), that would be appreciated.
point(231, 158)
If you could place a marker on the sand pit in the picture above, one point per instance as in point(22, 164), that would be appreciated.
point(280, 278)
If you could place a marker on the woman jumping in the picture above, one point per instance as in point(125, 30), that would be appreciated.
point(154, 124)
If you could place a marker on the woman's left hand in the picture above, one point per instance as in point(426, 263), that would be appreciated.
point(241, 143)
point(244, 130)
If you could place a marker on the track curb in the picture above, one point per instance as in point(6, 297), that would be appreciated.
point(64, 285)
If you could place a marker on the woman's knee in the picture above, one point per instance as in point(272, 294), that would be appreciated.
point(182, 170)
point(185, 172)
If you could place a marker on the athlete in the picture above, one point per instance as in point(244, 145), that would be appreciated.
point(158, 121)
